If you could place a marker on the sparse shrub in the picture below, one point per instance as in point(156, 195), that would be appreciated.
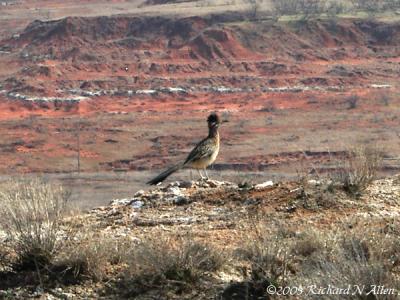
point(159, 261)
point(255, 6)
point(285, 7)
point(355, 249)
point(31, 214)
point(311, 8)
point(358, 170)
point(267, 253)
point(352, 101)
point(306, 8)
point(307, 244)
point(336, 270)
point(370, 6)
point(90, 256)
point(385, 99)
point(353, 258)
point(360, 254)
point(391, 4)
point(317, 191)
point(264, 255)
point(333, 9)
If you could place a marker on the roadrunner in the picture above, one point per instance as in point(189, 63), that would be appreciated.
point(203, 155)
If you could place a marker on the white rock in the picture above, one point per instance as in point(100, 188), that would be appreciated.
point(264, 184)
point(137, 204)
point(174, 191)
point(3, 236)
point(314, 182)
point(125, 201)
point(176, 90)
point(380, 86)
point(146, 92)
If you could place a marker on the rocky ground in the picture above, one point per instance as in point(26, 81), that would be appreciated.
point(302, 219)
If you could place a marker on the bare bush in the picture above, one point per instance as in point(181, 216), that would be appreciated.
point(90, 256)
point(306, 8)
point(391, 4)
point(311, 8)
point(383, 97)
point(31, 214)
point(352, 101)
point(307, 244)
point(352, 259)
point(285, 7)
point(360, 256)
point(169, 260)
point(267, 253)
point(255, 6)
point(370, 6)
point(333, 9)
point(358, 170)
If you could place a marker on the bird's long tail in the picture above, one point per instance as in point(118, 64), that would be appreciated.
point(165, 174)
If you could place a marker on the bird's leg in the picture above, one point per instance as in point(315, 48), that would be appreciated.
point(201, 175)
point(191, 175)
point(205, 171)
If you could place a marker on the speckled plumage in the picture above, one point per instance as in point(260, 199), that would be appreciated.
point(203, 155)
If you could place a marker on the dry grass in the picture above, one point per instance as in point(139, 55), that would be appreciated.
point(277, 255)
point(358, 170)
point(31, 214)
point(55, 251)
point(355, 258)
point(163, 263)
point(177, 262)
point(306, 244)
point(90, 257)
point(267, 252)
point(4, 258)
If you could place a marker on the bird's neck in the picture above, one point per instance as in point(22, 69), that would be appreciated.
point(213, 132)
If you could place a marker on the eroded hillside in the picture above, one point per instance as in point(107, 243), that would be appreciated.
point(115, 55)
point(140, 82)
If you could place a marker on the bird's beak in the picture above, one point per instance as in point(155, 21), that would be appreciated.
point(224, 121)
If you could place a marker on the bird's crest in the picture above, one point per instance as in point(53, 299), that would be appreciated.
point(213, 118)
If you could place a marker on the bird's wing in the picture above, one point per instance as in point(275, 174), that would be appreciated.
point(202, 150)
